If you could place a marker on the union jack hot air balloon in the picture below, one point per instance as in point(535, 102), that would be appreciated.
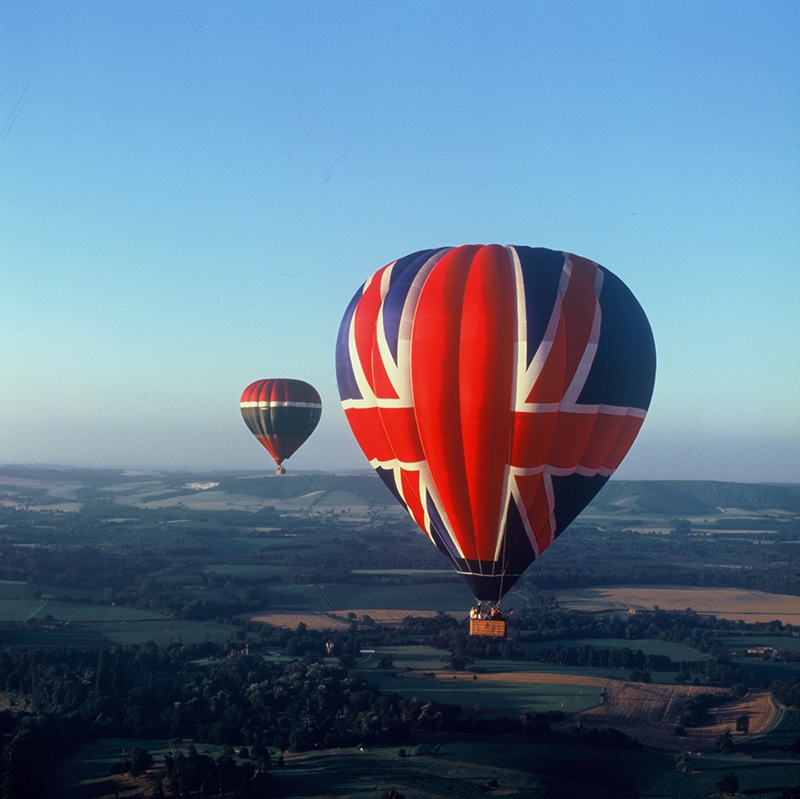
point(281, 413)
point(494, 390)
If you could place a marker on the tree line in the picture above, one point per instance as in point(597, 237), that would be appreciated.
point(165, 693)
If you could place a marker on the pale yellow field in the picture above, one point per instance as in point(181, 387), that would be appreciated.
point(332, 621)
point(314, 621)
point(725, 603)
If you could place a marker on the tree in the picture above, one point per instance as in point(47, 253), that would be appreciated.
point(724, 741)
point(156, 782)
point(682, 528)
point(140, 761)
point(728, 785)
point(743, 723)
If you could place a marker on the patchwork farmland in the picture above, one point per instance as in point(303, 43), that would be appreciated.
point(650, 713)
point(725, 603)
point(219, 571)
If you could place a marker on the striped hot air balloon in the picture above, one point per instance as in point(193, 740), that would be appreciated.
point(281, 413)
point(495, 390)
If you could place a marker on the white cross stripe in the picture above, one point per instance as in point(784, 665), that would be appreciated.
point(261, 404)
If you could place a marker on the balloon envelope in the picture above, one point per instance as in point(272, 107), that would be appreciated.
point(494, 390)
point(281, 413)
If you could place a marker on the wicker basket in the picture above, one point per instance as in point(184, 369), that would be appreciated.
point(493, 628)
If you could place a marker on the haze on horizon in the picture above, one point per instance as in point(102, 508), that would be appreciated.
point(191, 194)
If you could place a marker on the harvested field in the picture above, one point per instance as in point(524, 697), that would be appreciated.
point(314, 621)
point(333, 621)
point(533, 678)
point(649, 713)
point(724, 603)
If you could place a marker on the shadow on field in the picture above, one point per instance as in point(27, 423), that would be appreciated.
point(92, 790)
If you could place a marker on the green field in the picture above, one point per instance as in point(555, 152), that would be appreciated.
point(16, 589)
point(473, 691)
point(13, 589)
point(420, 658)
point(768, 672)
point(337, 596)
point(434, 596)
point(62, 592)
point(676, 652)
point(19, 610)
point(460, 768)
point(230, 547)
point(424, 658)
point(245, 571)
point(295, 597)
point(468, 689)
point(757, 640)
point(777, 742)
point(83, 635)
point(393, 572)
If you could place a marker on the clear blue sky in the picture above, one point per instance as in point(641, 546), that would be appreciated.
point(192, 191)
